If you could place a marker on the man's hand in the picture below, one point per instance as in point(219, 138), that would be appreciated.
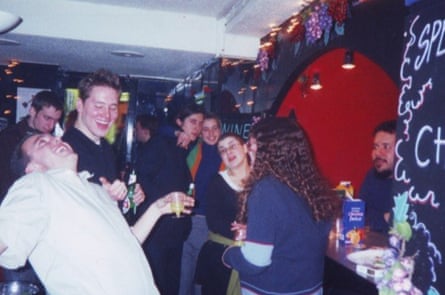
point(139, 195)
point(116, 190)
point(387, 216)
point(183, 139)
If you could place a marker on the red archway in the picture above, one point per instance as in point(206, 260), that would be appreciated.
point(339, 118)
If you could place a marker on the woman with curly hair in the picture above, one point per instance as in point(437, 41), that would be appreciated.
point(288, 208)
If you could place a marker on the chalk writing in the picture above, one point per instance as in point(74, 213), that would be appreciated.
point(431, 35)
point(420, 147)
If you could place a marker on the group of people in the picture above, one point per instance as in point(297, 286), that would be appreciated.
point(62, 212)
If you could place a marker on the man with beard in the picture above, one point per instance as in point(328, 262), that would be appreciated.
point(376, 188)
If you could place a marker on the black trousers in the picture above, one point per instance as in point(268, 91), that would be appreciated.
point(165, 263)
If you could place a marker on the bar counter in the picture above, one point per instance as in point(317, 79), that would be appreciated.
point(341, 277)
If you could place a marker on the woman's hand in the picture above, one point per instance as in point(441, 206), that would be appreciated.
point(237, 226)
point(163, 204)
point(240, 230)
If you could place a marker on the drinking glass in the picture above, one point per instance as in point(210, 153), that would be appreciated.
point(177, 204)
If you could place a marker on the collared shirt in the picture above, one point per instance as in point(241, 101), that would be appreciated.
point(74, 235)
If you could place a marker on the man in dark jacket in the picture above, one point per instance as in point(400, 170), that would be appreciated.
point(161, 168)
point(376, 189)
point(46, 110)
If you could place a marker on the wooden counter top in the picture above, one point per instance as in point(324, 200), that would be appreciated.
point(340, 273)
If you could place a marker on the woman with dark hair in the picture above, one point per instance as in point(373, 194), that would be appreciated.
point(288, 208)
point(222, 201)
point(204, 162)
point(161, 167)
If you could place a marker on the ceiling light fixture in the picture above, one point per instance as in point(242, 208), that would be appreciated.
point(8, 21)
point(126, 53)
point(316, 85)
point(13, 63)
point(348, 62)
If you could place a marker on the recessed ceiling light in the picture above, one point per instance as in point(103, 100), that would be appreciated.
point(8, 42)
point(127, 53)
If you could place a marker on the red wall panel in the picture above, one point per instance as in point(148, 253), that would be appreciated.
point(339, 119)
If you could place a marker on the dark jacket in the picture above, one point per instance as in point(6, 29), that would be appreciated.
point(377, 194)
point(99, 160)
point(161, 168)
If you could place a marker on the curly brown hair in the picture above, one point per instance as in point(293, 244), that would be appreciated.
point(284, 152)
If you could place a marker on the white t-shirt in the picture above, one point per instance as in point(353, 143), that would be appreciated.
point(74, 236)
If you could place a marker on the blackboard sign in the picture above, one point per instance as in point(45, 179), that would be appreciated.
point(420, 168)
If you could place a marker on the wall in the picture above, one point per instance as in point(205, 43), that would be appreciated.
point(340, 118)
point(373, 27)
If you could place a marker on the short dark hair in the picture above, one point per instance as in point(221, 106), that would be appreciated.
point(19, 159)
point(213, 116)
point(189, 110)
point(148, 122)
point(46, 98)
point(234, 135)
point(386, 126)
point(101, 77)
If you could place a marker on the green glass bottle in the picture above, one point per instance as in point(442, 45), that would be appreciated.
point(130, 191)
point(191, 189)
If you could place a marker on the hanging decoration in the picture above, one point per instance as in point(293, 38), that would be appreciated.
point(313, 23)
point(325, 21)
point(297, 29)
point(313, 27)
point(263, 59)
point(338, 10)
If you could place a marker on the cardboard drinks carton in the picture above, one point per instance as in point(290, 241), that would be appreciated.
point(353, 221)
point(345, 189)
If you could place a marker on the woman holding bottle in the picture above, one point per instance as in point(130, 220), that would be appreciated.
point(204, 163)
point(161, 167)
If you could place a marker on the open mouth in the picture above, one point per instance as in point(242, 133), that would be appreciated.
point(379, 161)
point(102, 124)
point(62, 148)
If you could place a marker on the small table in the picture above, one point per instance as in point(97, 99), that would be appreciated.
point(340, 273)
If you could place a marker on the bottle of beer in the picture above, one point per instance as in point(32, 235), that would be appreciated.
point(191, 189)
point(131, 186)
